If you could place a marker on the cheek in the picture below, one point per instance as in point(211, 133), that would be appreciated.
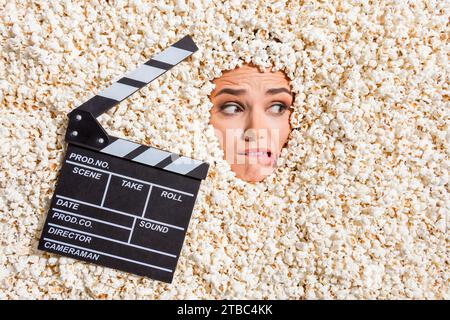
point(225, 134)
point(283, 128)
point(228, 128)
point(218, 124)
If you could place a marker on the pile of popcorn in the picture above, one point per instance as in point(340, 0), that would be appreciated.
point(359, 206)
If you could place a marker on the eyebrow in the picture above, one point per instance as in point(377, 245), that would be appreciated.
point(238, 92)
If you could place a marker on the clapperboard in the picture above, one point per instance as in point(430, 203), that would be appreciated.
point(118, 203)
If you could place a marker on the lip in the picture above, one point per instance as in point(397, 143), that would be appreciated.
point(263, 156)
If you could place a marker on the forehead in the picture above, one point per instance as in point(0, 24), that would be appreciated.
point(251, 76)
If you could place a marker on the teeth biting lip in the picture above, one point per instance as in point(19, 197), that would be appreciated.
point(254, 153)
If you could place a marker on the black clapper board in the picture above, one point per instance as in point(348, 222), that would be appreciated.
point(118, 203)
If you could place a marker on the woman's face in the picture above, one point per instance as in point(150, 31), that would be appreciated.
point(250, 115)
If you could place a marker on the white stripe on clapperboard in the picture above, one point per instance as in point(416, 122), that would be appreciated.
point(109, 255)
point(183, 165)
point(118, 91)
point(145, 73)
point(120, 148)
point(172, 54)
point(114, 240)
point(151, 156)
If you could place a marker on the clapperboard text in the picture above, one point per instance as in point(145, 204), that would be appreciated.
point(125, 183)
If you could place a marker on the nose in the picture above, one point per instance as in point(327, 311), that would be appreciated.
point(256, 126)
point(250, 135)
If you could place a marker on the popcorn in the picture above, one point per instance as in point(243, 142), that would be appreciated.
point(358, 206)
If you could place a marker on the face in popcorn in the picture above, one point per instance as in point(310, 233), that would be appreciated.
point(250, 115)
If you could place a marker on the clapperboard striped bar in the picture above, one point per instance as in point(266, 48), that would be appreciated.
point(139, 78)
point(118, 203)
point(156, 158)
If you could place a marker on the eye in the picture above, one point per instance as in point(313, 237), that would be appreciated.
point(278, 108)
point(230, 109)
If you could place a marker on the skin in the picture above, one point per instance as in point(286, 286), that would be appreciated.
point(252, 124)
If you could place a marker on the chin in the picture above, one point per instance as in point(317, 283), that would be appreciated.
point(252, 173)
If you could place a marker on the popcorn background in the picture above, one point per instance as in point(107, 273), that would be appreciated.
point(359, 206)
